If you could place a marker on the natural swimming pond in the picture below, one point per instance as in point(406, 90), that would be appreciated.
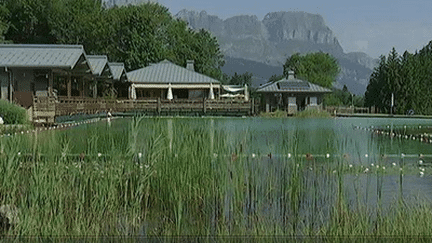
point(219, 176)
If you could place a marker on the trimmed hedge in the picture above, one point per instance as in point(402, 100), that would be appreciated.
point(12, 113)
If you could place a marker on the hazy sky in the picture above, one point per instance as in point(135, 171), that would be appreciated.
point(371, 26)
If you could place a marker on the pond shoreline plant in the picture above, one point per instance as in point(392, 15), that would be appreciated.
point(162, 177)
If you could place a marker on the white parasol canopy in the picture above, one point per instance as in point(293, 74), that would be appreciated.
point(211, 94)
point(169, 95)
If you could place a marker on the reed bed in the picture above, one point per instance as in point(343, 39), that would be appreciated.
point(159, 177)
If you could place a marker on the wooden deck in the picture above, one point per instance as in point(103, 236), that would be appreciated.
point(45, 109)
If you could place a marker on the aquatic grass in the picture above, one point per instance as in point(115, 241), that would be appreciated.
point(166, 177)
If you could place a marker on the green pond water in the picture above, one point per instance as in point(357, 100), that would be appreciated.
point(326, 139)
point(272, 167)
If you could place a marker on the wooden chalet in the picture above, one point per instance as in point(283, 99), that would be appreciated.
point(102, 82)
point(166, 80)
point(43, 70)
point(120, 80)
point(59, 80)
point(292, 95)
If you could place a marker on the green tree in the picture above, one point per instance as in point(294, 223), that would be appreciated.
point(135, 34)
point(318, 68)
point(275, 78)
point(241, 79)
point(408, 77)
point(4, 24)
point(29, 21)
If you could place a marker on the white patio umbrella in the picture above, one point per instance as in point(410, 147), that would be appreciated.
point(211, 94)
point(169, 95)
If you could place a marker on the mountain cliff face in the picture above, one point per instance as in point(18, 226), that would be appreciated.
point(245, 40)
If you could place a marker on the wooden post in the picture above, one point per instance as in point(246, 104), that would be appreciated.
point(69, 86)
point(159, 105)
point(50, 83)
point(204, 105)
point(82, 88)
point(95, 89)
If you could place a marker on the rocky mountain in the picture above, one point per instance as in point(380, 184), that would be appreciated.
point(262, 46)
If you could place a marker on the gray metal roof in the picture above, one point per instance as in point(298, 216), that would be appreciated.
point(41, 56)
point(117, 70)
point(292, 85)
point(99, 65)
point(167, 72)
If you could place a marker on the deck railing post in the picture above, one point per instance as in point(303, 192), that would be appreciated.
point(204, 105)
point(158, 105)
point(252, 106)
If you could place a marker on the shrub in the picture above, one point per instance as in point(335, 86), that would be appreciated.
point(12, 113)
point(312, 113)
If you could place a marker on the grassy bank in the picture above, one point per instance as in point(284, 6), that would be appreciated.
point(312, 113)
point(12, 113)
point(156, 177)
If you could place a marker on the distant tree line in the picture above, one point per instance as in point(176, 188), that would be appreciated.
point(407, 77)
point(136, 35)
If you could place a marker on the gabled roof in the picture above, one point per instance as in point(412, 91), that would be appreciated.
point(118, 70)
point(99, 65)
point(167, 72)
point(292, 85)
point(42, 56)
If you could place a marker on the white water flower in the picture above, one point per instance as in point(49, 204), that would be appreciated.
point(19, 153)
point(350, 165)
point(372, 165)
point(422, 169)
point(334, 172)
point(366, 155)
point(400, 169)
point(289, 155)
point(99, 154)
point(383, 167)
point(377, 166)
point(366, 170)
point(327, 156)
point(420, 162)
point(215, 155)
point(139, 155)
point(394, 164)
point(403, 155)
point(421, 173)
point(253, 155)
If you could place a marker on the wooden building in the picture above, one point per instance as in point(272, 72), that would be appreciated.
point(166, 80)
point(43, 70)
point(120, 80)
point(102, 82)
point(292, 95)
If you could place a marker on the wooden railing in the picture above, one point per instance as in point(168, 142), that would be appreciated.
point(62, 105)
